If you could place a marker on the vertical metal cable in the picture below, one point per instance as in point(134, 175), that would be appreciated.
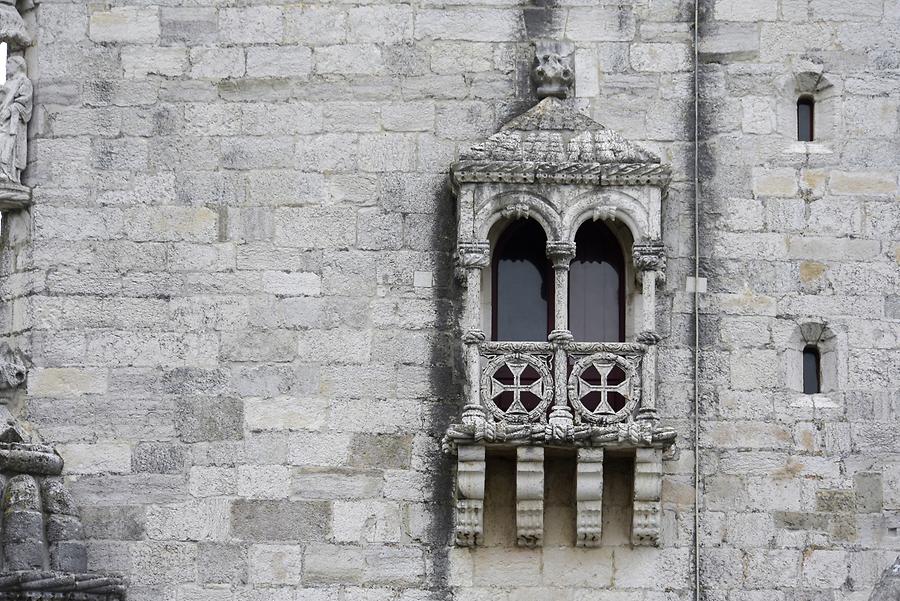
point(696, 301)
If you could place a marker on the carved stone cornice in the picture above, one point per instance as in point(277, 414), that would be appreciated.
point(595, 174)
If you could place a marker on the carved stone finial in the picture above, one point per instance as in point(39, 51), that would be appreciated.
point(554, 68)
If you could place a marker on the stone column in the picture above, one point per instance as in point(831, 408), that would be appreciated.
point(650, 261)
point(647, 509)
point(472, 258)
point(562, 425)
point(470, 496)
point(529, 496)
point(589, 497)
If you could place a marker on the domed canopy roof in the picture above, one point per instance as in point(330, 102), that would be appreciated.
point(555, 143)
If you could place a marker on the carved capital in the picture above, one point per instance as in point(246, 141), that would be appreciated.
point(649, 256)
point(473, 255)
point(554, 68)
point(648, 337)
point(560, 253)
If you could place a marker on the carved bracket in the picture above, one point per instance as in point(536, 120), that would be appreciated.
point(530, 496)
point(589, 497)
point(647, 509)
point(470, 496)
point(554, 68)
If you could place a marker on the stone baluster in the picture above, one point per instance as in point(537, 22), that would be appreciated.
point(472, 258)
point(529, 496)
point(589, 497)
point(562, 426)
point(650, 261)
point(470, 495)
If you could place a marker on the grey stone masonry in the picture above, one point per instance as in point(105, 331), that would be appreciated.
point(235, 299)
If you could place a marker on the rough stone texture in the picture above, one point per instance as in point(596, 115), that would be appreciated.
point(236, 290)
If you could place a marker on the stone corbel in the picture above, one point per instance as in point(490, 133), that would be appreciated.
point(470, 496)
point(475, 254)
point(13, 367)
point(589, 497)
point(529, 496)
point(647, 509)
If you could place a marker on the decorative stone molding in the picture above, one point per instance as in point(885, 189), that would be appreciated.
point(45, 557)
point(589, 497)
point(554, 68)
point(647, 510)
point(529, 496)
point(470, 496)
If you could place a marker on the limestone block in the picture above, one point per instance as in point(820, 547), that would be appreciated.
point(474, 25)
point(857, 183)
point(834, 10)
point(601, 24)
point(264, 481)
point(386, 24)
point(284, 283)
point(141, 61)
point(158, 458)
point(260, 520)
point(221, 563)
point(188, 24)
point(252, 25)
point(333, 564)
point(366, 521)
point(729, 41)
point(379, 231)
point(774, 182)
point(736, 10)
point(661, 57)
point(329, 449)
point(97, 458)
point(66, 382)
point(499, 567)
point(125, 24)
point(275, 564)
point(216, 63)
point(324, 484)
point(158, 563)
point(408, 116)
point(823, 568)
point(349, 59)
point(205, 519)
point(758, 115)
point(199, 419)
point(285, 413)
point(314, 25)
point(294, 62)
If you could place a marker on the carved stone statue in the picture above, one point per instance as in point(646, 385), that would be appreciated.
point(554, 68)
point(15, 113)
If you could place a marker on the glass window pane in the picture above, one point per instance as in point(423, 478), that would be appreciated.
point(597, 286)
point(811, 371)
point(805, 114)
point(522, 284)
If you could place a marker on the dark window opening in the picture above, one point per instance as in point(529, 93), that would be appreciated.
point(597, 286)
point(522, 286)
point(812, 370)
point(806, 118)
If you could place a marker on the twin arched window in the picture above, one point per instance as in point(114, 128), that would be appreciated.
point(523, 285)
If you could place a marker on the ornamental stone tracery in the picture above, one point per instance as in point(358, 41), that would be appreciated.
point(560, 168)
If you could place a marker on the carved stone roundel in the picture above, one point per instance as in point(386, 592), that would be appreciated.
point(604, 388)
point(516, 388)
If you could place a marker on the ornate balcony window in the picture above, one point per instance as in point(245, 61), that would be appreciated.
point(559, 215)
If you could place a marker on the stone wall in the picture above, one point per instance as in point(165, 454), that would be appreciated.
point(242, 306)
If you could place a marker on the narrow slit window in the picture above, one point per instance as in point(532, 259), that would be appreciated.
point(812, 370)
point(806, 111)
